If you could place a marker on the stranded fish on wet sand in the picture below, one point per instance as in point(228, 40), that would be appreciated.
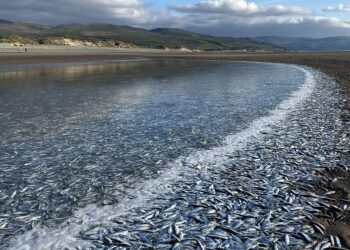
point(251, 191)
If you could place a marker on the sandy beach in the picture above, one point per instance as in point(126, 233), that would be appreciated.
point(335, 64)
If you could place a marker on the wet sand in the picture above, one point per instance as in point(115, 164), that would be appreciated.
point(337, 65)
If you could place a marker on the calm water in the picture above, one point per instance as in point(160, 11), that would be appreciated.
point(74, 135)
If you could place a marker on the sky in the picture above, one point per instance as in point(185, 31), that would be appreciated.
point(233, 18)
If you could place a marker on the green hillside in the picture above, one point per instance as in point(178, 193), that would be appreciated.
point(172, 38)
point(156, 38)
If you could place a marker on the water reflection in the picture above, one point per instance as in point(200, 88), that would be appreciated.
point(78, 135)
point(70, 71)
point(137, 68)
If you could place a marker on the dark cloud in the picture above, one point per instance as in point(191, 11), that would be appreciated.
point(67, 11)
point(219, 17)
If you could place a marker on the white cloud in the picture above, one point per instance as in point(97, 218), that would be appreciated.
point(286, 10)
point(217, 20)
point(320, 20)
point(239, 7)
point(339, 8)
point(244, 18)
point(313, 26)
point(218, 6)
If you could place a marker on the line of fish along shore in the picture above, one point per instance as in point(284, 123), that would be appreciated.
point(333, 181)
point(256, 191)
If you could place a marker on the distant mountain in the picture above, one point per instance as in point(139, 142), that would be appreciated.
point(156, 38)
point(161, 37)
point(339, 43)
point(20, 28)
point(5, 21)
point(207, 42)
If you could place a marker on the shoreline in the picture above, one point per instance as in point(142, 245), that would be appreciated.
point(334, 64)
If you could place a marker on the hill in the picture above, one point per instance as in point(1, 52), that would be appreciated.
point(20, 28)
point(114, 35)
point(159, 38)
point(340, 43)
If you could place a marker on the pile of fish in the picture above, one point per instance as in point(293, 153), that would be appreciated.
point(260, 198)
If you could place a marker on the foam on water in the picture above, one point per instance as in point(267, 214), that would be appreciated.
point(65, 236)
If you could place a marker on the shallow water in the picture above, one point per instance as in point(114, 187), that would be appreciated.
point(76, 135)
